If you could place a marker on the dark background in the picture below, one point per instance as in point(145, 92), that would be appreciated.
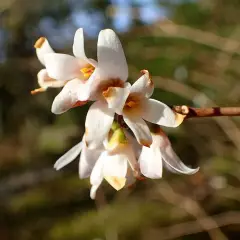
point(192, 49)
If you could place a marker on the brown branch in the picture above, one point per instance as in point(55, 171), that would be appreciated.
point(191, 112)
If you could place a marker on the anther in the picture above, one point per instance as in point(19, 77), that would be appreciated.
point(39, 42)
point(38, 90)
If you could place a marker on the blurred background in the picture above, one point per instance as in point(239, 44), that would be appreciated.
point(192, 50)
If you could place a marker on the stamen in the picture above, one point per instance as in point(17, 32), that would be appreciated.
point(87, 71)
point(79, 104)
point(145, 143)
point(107, 93)
point(131, 104)
point(105, 86)
point(38, 90)
point(39, 42)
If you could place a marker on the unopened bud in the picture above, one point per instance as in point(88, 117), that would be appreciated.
point(115, 126)
point(118, 137)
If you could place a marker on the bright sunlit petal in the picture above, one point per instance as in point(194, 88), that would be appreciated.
point(111, 58)
point(143, 86)
point(87, 161)
point(62, 66)
point(159, 113)
point(150, 161)
point(42, 47)
point(117, 96)
point(98, 123)
point(68, 97)
point(139, 128)
point(171, 161)
point(97, 172)
point(78, 45)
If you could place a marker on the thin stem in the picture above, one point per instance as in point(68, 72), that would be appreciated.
point(191, 112)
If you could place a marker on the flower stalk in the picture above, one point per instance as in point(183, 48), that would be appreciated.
point(191, 112)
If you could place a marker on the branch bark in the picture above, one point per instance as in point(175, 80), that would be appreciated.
point(191, 112)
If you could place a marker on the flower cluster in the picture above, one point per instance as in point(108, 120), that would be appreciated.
point(114, 150)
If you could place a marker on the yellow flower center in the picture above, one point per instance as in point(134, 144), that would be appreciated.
point(106, 87)
point(132, 102)
point(87, 71)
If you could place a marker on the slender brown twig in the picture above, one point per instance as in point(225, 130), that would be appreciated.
point(191, 112)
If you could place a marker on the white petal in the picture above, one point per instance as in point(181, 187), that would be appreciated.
point(92, 62)
point(131, 157)
point(93, 191)
point(78, 45)
point(115, 169)
point(96, 177)
point(87, 161)
point(139, 128)
point(159, 113)
point(97, 172)
point(83, 93)
point(78, 48)
point(45, 81)
point(42, 47)
point(130, 179)
point(91, 87)
point(115, 165)
point(68, 97)
point(171, 161)
point(150, 161)
point(116, 97)
point(111, 59)
point(68, 156)
point(62, 66)
point(143, 86)
point(98, 123)
point(134, 143)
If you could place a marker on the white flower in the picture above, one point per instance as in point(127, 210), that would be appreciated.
point(161, 154)
point(138, 106)
point(43, 47)
point(117, 164)
point(73, 72)
point(87, 159)
point(108, 87)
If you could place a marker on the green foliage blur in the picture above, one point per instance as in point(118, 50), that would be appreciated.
point(192, 50)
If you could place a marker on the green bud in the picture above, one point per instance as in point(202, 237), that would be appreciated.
point(118, 137)
point(115, 126)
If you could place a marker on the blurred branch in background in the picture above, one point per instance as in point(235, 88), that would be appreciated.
point(191, 227)
point(170, 29)
point(193, 208)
